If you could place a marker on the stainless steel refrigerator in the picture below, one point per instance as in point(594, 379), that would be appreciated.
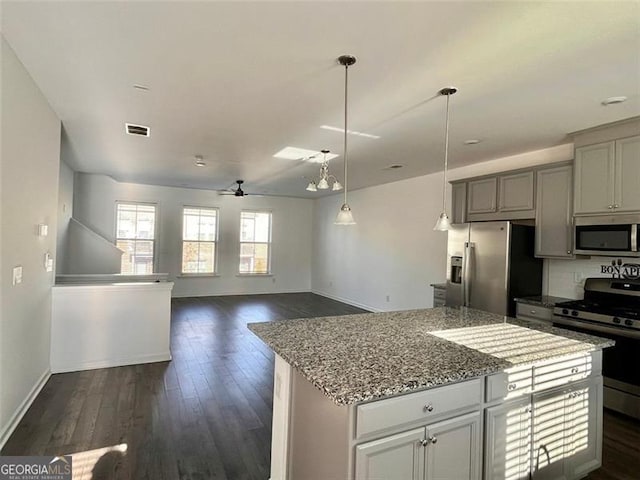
point(491, 263)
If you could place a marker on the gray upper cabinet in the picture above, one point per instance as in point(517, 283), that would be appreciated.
point(507, 196)
point(607, 177)
point(482, 196)
point(594, 167)
point(516, 192)
point(627, 175)
point(554, 235)
point(459, 202)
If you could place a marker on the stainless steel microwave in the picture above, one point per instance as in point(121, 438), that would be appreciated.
point(610, 235)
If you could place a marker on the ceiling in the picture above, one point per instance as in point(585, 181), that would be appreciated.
point(236, 82)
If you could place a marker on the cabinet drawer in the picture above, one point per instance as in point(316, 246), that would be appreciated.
point(422, 406)
point(564, 370)
point(538, 312)
point(511, 383)
point(440, 293)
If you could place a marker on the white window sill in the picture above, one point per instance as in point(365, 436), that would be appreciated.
point(197, 275)
point(254, 275)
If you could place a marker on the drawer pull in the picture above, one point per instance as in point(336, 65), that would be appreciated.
point(512, 386)
point(428, 408)
point(532, 312)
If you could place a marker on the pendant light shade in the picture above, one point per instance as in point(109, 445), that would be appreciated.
point(443, 224)
point(312, 187)
point(345, 216)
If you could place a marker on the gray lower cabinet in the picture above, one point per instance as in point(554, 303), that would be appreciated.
point(551, 435)
point(508, 440)
point(398, 456)
point(447, 449)
point(554, 197)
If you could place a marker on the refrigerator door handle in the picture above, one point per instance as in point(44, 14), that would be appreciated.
point(466, 283)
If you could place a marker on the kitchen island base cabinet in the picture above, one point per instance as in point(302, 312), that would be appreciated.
point(447, 449)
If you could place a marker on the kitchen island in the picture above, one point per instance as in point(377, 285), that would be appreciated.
point(433, 393)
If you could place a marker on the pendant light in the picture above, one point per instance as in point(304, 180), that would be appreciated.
point(325, 178)
point(443, 224)
point(345, 217)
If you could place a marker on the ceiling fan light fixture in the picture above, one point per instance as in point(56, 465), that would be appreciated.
point(312, 187)
point(323, 184)
point(337, 186)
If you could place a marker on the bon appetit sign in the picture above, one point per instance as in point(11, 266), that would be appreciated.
point(619, 269)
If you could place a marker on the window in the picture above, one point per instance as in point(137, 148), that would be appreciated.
point(255, 242)
point(199, 236)
point(135, 235)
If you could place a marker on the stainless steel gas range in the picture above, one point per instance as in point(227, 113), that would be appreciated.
point(611, 308)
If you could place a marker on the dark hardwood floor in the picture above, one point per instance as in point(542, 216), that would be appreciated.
point(207, 413)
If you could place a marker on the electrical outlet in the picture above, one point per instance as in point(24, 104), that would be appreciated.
point(17, 275)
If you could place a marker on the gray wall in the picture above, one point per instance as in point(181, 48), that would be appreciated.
point(95, 199)
point(65, 212)
point(29, 196)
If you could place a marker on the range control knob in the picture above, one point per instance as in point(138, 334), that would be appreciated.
point(616, 320)
point(565, 311)
point(574, 313)
point(628, 323)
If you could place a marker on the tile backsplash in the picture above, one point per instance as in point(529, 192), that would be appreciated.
point(565, 278)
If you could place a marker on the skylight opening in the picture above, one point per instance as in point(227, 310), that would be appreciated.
point(295, 153)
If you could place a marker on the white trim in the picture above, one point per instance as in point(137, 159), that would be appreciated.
point(235, 292)
point(348, 301)
point(6, 432)
point(112, 362)
point(71, 288)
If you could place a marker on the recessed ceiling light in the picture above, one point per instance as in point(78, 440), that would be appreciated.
point(350, 132)
point(295, 153)
point(199, 162)
point(613, 100)
point(472, 141)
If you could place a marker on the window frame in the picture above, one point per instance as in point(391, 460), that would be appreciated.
point(269, 243)
point(154, 261)
point(215, 242)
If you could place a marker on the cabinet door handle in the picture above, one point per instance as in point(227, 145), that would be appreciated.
point(433, 439)
point(428, 408)
point(610, 207)
point(616, 206)
point(532, 312)
point(423, 443)
point(575, 370)
point(512, 386)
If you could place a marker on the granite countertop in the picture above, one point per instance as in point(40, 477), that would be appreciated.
point(543, 300)
point(361, 357)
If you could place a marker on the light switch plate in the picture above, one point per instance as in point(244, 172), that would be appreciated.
point(48, 262)
point(17, 275)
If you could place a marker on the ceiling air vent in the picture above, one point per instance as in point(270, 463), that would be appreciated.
point(139, 130)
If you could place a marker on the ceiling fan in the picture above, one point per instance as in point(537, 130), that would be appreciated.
point(237, 192)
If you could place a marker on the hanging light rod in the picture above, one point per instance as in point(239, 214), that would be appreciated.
point(345, 216)
point(443, 223)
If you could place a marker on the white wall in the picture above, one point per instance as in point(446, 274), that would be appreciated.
point(65, 212)
point(91, 252)
point(565, 278)
point(391, 251)
point(29, 195)
point(95, 197)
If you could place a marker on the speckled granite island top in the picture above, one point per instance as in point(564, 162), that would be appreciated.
point(354, 358)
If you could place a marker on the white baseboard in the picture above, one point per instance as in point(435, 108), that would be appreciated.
point(224, 294)
point(347, 301)
point(112, 362)
point(7, 430)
